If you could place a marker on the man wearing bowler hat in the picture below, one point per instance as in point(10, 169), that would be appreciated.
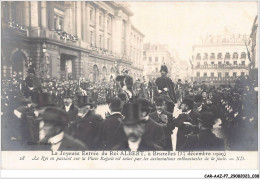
point(87, 122)
point(164, 119)
point(153, 131)
point(111, 126)
point(55, 138)
point(70, 109)
point(134, 130)
point(205, 140)
point(187, 122)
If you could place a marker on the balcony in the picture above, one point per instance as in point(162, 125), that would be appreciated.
point(215, 79)
point(217, 66)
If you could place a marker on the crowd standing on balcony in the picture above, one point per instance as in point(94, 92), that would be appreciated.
point(52, 114)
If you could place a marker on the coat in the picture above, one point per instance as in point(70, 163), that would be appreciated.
point(87, 129)
point(167, 125)
point(72, 114)
point(110, 129)
point(154, 133)
point(183, 129)
point(69, 143)
point(205, 140)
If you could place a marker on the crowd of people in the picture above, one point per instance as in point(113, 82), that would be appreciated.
point(51, 114)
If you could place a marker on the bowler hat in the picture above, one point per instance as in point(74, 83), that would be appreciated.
point(207, 119)
point(84, 100)
point(188, 102)
point(55, 116)
point(198, 98)
point(159, 101)
point(42, 100)
point(68, 94)
point(132, 114)
point(115, 104)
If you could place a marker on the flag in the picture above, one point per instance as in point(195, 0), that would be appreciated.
point(191, 64)
point(248, 53)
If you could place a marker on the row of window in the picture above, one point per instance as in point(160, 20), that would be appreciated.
point(205, 74)
point(156, 59)
point(220, 63)
point(100, 19)
point(219, 56)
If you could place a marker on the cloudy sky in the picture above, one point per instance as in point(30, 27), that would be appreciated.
point(181, 24)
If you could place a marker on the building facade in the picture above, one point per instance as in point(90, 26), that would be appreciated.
point(253, 50)
point(220, 59)
point(69, 39)
point(154, 56)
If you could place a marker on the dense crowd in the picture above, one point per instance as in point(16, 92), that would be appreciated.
point(143, 115)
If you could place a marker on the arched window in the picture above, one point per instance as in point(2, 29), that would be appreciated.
point(95, 73)
point(104, 73)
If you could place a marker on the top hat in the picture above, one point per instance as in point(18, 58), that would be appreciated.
point(164, 68)
point(159, 101)
point(68, 94)
point(55, 116)
point(188, 102)
point(207, 119)
point(115, 104)
point(132, 114)
point(84, 100)
point(42, 100)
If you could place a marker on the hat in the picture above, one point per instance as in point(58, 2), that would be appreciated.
point(56, 116)
point(132, 114)
point(188, 102)
point(145, 104)
point(84, 100)
point(115, 104)
point(164, 68)
point(31, 70)
point(122, 96)
point(68, 94)
point(207, 119)
point(197, 98)
point(42, 100)
point(159, 101)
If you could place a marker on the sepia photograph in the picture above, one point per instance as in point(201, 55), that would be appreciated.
point(121, 82)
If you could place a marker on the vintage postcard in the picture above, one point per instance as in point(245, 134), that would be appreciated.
point(129, 85)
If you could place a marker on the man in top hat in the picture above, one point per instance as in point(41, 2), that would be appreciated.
point(134, 130)
point(55, 138)
point(187, 122)
point(88, 123)
point(164, 119)
point(153, 131)
point(199, 106)
point(70, 109)
point(31, 84)
point(111, 126)
point(205, 140)
point(126, 83)
point(166, 89)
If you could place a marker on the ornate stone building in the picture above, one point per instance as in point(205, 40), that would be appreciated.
point(154, 56)
point(69, 39)
point(220, 59)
